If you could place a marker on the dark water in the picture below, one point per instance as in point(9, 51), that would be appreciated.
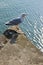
point(32, 25)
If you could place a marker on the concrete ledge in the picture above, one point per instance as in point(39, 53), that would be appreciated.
point(22, 52)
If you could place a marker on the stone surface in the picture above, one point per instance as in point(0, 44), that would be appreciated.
point(22, 52)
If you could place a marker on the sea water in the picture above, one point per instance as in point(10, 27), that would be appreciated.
point(32, 26)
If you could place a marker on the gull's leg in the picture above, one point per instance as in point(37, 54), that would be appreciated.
point(19, 30)
point(17, 27)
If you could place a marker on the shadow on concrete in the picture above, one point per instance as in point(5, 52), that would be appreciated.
point(11, 34)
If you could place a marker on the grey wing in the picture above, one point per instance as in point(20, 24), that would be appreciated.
point(15, 21)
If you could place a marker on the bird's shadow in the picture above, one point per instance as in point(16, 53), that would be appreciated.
point(13, 39)
point(11, 35)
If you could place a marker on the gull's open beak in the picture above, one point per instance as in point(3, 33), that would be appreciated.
point(27, 14)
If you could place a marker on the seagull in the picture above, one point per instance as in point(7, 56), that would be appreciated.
point(16, 21)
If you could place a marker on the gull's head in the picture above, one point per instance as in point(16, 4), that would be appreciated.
point(24, 15)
